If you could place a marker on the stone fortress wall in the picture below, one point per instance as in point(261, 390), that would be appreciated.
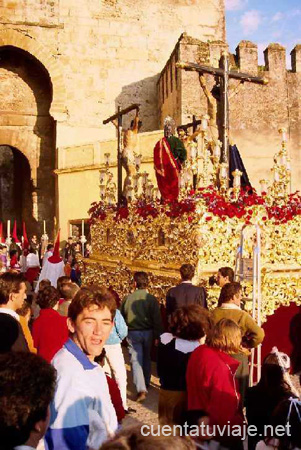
point(256, 112)
point(88, 57)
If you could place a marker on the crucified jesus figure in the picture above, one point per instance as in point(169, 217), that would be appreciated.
point(129, 148)
point(212, 105)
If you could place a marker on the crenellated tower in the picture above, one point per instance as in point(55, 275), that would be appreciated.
point(256, 112)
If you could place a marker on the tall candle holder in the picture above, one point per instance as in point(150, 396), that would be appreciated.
point(107, 187)
point(223, 177)
point(235, 190)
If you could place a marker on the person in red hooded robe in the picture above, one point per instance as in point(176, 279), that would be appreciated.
point(169, 155)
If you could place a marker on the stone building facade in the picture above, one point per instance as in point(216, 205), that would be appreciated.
point(66, 65)
point(256, 112)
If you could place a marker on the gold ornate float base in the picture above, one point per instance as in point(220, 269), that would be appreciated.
point(160, 245)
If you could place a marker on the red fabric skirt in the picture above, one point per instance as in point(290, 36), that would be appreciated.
point(32, 274)
point(167, 171)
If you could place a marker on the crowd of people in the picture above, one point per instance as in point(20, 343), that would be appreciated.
point(31, 257)
point(63, 378)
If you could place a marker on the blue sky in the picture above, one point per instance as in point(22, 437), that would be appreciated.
point(263, 22)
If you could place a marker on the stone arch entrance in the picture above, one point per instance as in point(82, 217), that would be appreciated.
point(15, 188)
point(26, 126)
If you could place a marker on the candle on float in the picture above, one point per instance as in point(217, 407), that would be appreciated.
point(217, 150)
point(8, 228)
point(144, 178)
point(283, 159)
point(288, 164)
point(283, 134)
point(236, 177)
point(102, 190)
point(224, 171)
point(102, 176)
point(263, 185)
point(276, 174)
point(83, 227)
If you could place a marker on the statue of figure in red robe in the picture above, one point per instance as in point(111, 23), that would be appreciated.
point(169, 155)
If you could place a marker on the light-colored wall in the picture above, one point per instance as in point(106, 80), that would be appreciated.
point(78, 175)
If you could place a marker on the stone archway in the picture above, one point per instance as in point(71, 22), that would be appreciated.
point(16, 200)
point(26, 95)
point(22, 41)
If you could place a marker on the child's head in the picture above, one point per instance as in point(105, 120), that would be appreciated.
point(275, 365)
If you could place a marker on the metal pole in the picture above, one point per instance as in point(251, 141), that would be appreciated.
point(119, 155)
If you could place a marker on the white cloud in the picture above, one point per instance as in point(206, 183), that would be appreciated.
point(278, 16)
point(293, 13)
point(235, 5)
point(250, 21)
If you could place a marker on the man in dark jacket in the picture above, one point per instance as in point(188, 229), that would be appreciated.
point(185, 293)
point(12, 296)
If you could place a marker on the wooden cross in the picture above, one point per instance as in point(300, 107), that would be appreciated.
point(192, 124)
point(120, 113)
point(224, 75)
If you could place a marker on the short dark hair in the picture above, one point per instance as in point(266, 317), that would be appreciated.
point(69, 290)
point(187, 272)
point(12, 253)
point(27, 384)
point(190, 322)
point(89, 296)
point(48, 297)
point(141, 279)
point(228, 291)
point(9, 283)
point(227, 272)
point(49, 246)
point(44, 283)
point(61, 281)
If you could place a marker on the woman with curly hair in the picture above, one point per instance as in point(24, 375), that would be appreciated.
point(49, 330)
point(188, 329)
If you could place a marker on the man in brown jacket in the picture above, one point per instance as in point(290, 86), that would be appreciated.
point(252, 334)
